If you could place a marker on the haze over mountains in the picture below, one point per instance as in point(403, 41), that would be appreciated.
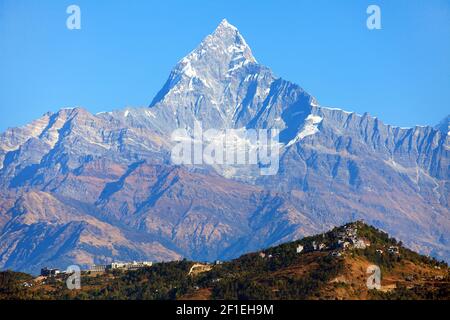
point(83, 188)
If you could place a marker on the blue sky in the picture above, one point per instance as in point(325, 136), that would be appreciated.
point(125, 50)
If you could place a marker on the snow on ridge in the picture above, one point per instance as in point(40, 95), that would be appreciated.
point(150, 114)
point(339, 109)
point(237, 66)
point(314, 102)
point(310, 128)
point(187, 69)
point(374, 117)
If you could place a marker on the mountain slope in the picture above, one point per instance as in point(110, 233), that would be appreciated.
point(115, 167)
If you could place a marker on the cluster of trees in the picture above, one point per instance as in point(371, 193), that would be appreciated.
point(11, 285)
point(249, 277)
point(265, 285)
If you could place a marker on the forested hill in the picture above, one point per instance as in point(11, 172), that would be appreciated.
point(333, 265)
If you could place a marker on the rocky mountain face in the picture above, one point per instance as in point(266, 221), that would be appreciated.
point(82, 188)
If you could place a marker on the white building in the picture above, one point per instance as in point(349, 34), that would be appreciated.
point(117, 265)
point(138, 265)
point(360, 244)
point(121, 266)
point(98, 268)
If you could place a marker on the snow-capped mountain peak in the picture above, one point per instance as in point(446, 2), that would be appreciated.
point(209, 77)
point(229, 38)
point(225, 49)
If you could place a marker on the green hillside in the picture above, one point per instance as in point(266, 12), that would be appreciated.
point(332, 265)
